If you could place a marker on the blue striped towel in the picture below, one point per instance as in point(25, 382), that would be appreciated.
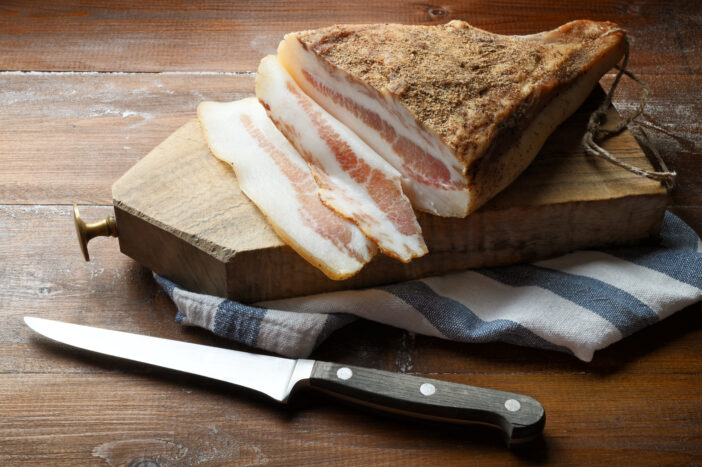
point(576, 303)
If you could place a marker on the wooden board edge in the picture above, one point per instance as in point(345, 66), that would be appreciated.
point(169, 256)
point(636, 220)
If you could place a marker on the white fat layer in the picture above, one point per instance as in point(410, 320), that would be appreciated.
point(444, 201)
point(351, 199)
point(265, 183)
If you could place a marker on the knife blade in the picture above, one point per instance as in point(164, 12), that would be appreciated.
point(521, 418)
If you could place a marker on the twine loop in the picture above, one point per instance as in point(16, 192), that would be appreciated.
point(599, 116)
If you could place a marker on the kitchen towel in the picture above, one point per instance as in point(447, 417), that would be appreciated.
point(576, 303)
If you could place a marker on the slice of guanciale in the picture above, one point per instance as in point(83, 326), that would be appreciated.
point(278, 181)
point(353, 179)
point(459, 111)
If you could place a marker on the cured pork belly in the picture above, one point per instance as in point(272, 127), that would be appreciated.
point(353, 179)
point(459, 111)
point(278, 181)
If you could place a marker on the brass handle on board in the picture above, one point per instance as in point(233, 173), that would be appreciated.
point(103, 228)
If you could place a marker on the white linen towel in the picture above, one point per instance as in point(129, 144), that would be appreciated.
point(576, 303)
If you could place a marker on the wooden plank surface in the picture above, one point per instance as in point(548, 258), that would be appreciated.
point(233, 36)
point(63, 406)
point(637, 403)
point(67, 137)
point(180, 213)
point(671, 121)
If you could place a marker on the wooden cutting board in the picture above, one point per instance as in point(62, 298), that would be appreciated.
point(180, 212)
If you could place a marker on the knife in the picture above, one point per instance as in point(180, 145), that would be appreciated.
point(521, 418)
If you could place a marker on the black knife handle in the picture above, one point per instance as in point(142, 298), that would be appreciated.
point(520, 417)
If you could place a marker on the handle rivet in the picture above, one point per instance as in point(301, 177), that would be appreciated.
point(344, 373)
point(427, 389)
point(512, 405)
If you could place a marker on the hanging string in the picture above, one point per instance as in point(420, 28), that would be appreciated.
point(594, 130)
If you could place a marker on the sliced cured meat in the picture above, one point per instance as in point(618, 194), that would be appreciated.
point(353, 179)
point(459, 111)
point(278, 181)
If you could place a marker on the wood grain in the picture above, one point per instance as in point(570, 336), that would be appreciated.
point(180, 213)
point(67, 137)
point(233, 36)
point(63, 138)
point(163, 417)
point(671, 122)
point(67, 407)
point(427, 398)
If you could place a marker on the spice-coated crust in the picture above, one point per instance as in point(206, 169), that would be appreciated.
point(466, 85)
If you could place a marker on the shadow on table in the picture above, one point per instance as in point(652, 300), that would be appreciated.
point(310, 411)
point(369, 344)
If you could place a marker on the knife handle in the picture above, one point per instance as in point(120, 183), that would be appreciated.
point(520, 417)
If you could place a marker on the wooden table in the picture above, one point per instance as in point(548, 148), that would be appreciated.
point(88, 88)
